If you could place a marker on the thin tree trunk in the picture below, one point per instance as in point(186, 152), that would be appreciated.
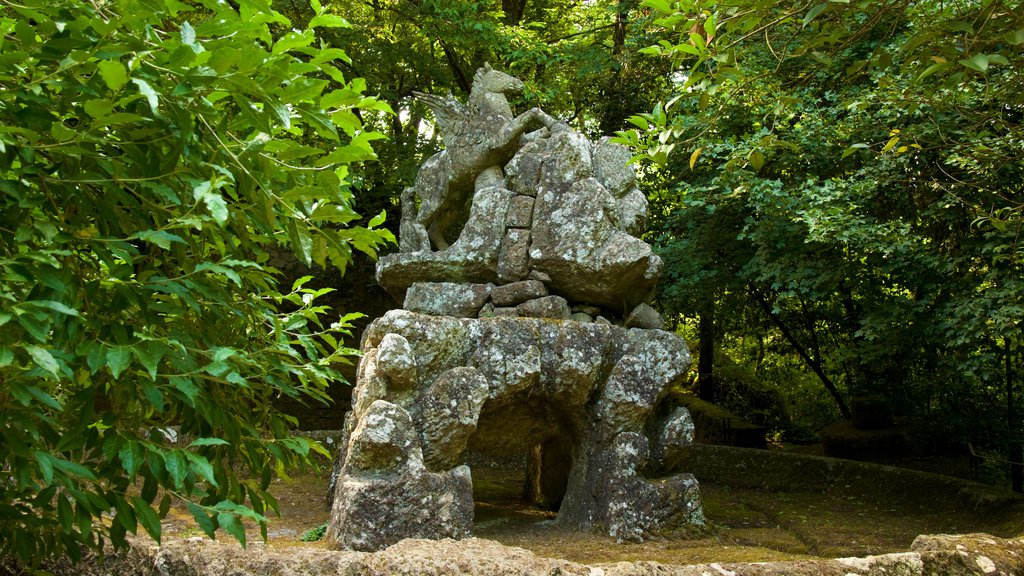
point(1013, 448)
point(813, 363)
point(513, 10)
point(706, 385)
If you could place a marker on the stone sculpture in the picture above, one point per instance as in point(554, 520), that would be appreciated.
point(478, 136)
point(530, 334)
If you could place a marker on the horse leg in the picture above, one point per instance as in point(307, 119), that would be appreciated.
point(534, 117)
point(412, 236)
point(436, 234)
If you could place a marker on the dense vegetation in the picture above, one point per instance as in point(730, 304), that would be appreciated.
point(153, 155)
point(835, 187)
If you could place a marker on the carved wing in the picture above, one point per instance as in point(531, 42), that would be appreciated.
point(449, 113)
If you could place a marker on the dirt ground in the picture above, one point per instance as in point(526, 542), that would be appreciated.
point(744, 525)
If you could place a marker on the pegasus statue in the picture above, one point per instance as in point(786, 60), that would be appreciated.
point(479, 135)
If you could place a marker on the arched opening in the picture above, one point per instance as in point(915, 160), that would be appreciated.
point(521, 456)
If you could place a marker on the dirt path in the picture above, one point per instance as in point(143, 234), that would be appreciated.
point(744, 525)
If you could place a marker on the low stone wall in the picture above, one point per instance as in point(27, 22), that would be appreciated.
point(713, 425)
point(774, 470)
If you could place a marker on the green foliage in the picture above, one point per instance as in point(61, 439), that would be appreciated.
point(314, 534)
point(152, 153)
point(851, 170)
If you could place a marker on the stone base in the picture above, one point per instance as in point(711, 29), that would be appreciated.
point(432, 387)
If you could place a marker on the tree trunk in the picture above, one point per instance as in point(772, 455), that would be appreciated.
point(1014, 452)
point(706, 385)
point(619, 32)
point(513, 10)
point(813, 363)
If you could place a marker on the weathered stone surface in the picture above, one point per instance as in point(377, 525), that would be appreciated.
point(518, 292)
point(643, 316)
point(539, 276)
point(379, 511)
point(384, 441)
point(395, 360)
point(554, 218)
point(611, 169)
point(447, 298)
point(578, 243)
point(513, 261)
point(941, 555)
point(546, 307)
point(969, 554)
point(520, 212)
point(472, 258)
point(672, 436)
point(451, 408)
point(508, 386)
point(629, 394)
point(479, 137)
point(632, 210)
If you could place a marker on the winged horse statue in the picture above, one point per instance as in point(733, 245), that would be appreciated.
point(478, 136)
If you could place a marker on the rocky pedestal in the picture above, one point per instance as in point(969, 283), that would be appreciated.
point(507, 386)
point(527, 332)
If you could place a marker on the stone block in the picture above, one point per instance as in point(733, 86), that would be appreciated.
point(520, 212)
point(554, 307)
point(611, 169)
point(447, 298)
point(516, 293)
point(643, 316)
point(514, 257)
point(632, 209)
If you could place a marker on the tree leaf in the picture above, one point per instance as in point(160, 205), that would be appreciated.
point(147, 517)
point(118, 359)
point(853, 148)
point(44, 460)
point(977, 62)
point(177, 466)
point(694, 156)
point(146, 90)
point(229, 522)
point(203, 519)
point(113, 73)
point(43, 359)
point(209, 442)
point(161, 238)
point(328, 21)
point(1016, 37)
point(756, 159)
point(813, 13)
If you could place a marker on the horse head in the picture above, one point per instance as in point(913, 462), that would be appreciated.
point(488, 79)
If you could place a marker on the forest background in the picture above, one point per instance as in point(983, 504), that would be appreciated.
point(835, 188)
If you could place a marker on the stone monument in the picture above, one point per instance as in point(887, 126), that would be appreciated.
point(524, 330)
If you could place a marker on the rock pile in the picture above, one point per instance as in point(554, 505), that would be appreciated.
point(528, 333)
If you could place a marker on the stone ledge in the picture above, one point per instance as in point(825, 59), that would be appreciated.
point(947, 555)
